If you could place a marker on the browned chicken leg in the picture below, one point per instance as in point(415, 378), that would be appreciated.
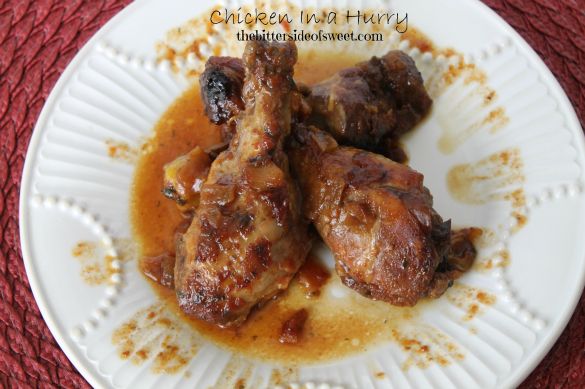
point(372, 103)
point(367, 106)
point(375, 215)
point(247, 239)
point(223, 79)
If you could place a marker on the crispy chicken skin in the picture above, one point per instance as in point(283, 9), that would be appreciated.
point(375, 215)
point(222, 95)
point(367, 106)
point(247, 238)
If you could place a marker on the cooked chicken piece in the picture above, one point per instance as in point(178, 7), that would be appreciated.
point(375, 215)
point(247, 238)
point(368, 106)
point(457, 261)
point(372, 103)
point(159, 269)
point(184, 177)
point(222, 95)
point(462, 251)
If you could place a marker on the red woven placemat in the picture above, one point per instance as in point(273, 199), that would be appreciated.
point(37, 41)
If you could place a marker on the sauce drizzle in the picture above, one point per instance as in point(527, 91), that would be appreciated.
point(318, 313)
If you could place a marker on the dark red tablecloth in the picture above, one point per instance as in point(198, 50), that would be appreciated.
point(37, 41)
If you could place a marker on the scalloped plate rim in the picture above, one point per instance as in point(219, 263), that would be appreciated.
point(88, 371)
point(85, 368)
point(530, 363)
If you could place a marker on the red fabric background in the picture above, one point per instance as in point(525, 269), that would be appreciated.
point(37, 41)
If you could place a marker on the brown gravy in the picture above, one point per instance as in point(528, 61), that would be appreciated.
point(334, 327)
point(312, 276)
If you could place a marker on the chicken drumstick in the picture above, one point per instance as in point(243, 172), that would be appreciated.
point(247, 238)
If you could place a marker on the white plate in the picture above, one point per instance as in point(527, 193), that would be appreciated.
point(114, 89)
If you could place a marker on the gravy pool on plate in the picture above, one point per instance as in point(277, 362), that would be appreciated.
point(335, 327)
